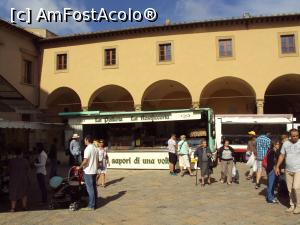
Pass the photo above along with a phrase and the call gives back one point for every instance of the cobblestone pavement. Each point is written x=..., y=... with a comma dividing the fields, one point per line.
x=138, y=197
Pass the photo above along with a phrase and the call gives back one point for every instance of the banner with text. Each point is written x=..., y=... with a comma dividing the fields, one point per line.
x=138, y=118
x=138, y=160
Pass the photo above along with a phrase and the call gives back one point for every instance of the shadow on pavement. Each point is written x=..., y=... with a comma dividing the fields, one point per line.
x=104, y=201
x=282, y=198
x=38, y=207
x=263, y=192
x=114, y=181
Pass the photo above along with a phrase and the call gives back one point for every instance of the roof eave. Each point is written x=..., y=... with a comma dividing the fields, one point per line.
x=19, y=29
x=151, y=29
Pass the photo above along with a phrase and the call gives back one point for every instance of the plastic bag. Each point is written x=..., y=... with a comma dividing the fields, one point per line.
x=248, y=154
x=251, y=160
x=233, y=171
x=254, y=167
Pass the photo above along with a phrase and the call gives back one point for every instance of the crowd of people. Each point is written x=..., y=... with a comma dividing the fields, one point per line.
x=279, y=158
x=94, y=164
x=19, y=172
x=205, y=157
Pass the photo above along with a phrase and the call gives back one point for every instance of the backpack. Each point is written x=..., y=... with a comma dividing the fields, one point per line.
x=265, y=159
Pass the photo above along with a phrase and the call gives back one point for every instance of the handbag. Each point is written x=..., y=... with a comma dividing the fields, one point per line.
x=265, y=160
x=214, y=162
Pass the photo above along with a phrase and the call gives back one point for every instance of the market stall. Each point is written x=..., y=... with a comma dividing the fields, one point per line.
x=138, y=140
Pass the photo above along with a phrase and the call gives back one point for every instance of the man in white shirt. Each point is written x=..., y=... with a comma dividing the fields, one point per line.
x=41, y=172
x=172, y=154
x=290, y=151
x=90, y=167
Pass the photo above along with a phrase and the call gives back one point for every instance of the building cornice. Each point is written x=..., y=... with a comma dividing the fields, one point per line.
x=19, y=29
x=219, y=23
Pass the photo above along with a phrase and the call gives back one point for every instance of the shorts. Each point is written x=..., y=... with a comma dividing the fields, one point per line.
x=259, y=165
x=102, y=171
x=172, y=158
x=184, y=161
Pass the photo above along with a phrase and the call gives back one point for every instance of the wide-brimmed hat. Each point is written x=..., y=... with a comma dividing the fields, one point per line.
x=252, y=132
x=75, y=136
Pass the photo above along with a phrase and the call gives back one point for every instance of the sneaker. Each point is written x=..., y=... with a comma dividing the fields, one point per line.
x=290, y=210
x=297, y=210
x=257, y=186
x=174, y=174
x=274, y=201
x=87, y=209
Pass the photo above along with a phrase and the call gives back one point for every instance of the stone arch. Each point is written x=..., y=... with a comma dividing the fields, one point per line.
x=63, y=99
x=229, y=95
x=166, y=94
x=111, y=98
x=283, y=95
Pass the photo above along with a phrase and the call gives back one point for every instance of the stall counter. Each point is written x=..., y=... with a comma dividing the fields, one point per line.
x=139, y=159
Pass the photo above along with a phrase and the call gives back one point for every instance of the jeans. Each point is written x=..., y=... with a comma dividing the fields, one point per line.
x=272, y=182
x=91, y=187
x=41, y=181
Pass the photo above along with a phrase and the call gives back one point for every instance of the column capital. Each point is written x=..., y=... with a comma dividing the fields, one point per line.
x=195, y=105
x=84, y=108
x=138, y=107
x=260, y=106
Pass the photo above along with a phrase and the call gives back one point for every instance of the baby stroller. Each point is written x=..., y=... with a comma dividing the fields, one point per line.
x=68, y=191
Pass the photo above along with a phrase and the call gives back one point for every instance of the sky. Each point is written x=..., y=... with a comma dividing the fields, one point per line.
x=175, y=10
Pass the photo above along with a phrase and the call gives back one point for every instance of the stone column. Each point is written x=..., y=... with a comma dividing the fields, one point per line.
x=137, y=107
x=260, y=106
x=84, y=108
x=195, y=105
